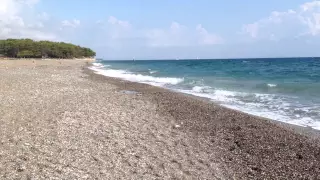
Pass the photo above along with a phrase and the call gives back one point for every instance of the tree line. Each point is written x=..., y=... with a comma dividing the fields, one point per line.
x=27, y=48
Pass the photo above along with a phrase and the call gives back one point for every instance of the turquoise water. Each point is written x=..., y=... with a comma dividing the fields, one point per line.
x=286, y=90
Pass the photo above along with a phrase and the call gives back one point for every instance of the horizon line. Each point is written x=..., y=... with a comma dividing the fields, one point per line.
x=174, y=59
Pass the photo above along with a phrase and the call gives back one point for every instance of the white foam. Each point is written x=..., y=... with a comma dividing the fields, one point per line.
x=156, y=81
x=197, y=89
x=272, y=106
x=216, y=95
x=272, y=85
x=200, y=89
x=316, y=125
x=264, y=105
x=98, y=64
x=152, y=72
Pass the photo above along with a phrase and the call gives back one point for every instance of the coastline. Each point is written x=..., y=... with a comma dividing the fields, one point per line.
x=237, y=135
x=231, y=83
x=61, y=120
x=136, y=86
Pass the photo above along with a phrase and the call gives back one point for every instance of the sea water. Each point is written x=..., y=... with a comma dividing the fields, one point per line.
x=283, y=89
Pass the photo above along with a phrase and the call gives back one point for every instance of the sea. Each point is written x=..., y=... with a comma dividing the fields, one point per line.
x=282, y=89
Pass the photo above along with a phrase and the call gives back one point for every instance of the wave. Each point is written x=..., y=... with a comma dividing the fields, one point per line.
x=269, y=105
x=264, y=105
x=126, y=75
x=272, y=85
x=200, y=89
x=152, y=72
x=98, y=65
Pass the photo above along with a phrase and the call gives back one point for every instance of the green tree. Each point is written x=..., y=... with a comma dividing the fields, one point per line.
x=27, y=48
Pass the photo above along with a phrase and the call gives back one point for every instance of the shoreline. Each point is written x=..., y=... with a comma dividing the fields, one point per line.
x=63, y=121
x=263, y=98
x=308, y=131
x=241, y=134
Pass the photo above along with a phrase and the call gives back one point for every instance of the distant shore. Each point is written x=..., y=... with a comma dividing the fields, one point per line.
x=61, y=120
x=47, y=59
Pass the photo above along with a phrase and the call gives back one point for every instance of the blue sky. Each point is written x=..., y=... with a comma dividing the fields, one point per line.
x=154, y=29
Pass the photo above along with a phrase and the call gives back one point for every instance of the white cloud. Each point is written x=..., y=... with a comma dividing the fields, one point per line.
x=266, y=27
x=43, y=16
x=72, y=24
x=310, y=16
x=310, y=6
x=37, y=25
x=114, y=21
x=8, y=7
x=287, y=24
x=313, y=23
x=121, y=33
x=175, y=35
x=180, y=35
x=118, y=29
x=14, y=25
x=207, y=38
x=29, y=2
x=99, y=22
x=251, y=29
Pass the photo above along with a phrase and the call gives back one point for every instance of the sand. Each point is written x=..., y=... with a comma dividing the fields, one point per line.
x=58, y=120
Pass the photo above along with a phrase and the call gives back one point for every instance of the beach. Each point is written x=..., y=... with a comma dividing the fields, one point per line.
x=60, y=120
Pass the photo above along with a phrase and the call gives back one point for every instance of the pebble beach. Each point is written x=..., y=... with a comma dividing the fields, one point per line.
x=60, y=120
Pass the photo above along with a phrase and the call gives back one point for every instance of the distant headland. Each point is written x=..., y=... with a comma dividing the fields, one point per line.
x=28, y=48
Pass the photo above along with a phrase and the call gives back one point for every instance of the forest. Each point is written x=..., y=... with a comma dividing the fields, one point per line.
x=28, y=48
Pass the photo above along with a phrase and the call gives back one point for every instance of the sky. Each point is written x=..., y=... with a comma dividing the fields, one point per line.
x=170, y=29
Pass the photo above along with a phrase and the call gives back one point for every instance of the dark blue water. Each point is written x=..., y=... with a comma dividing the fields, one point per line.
x=282, y=89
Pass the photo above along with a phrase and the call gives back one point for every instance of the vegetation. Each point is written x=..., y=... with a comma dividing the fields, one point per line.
x=27, y=48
